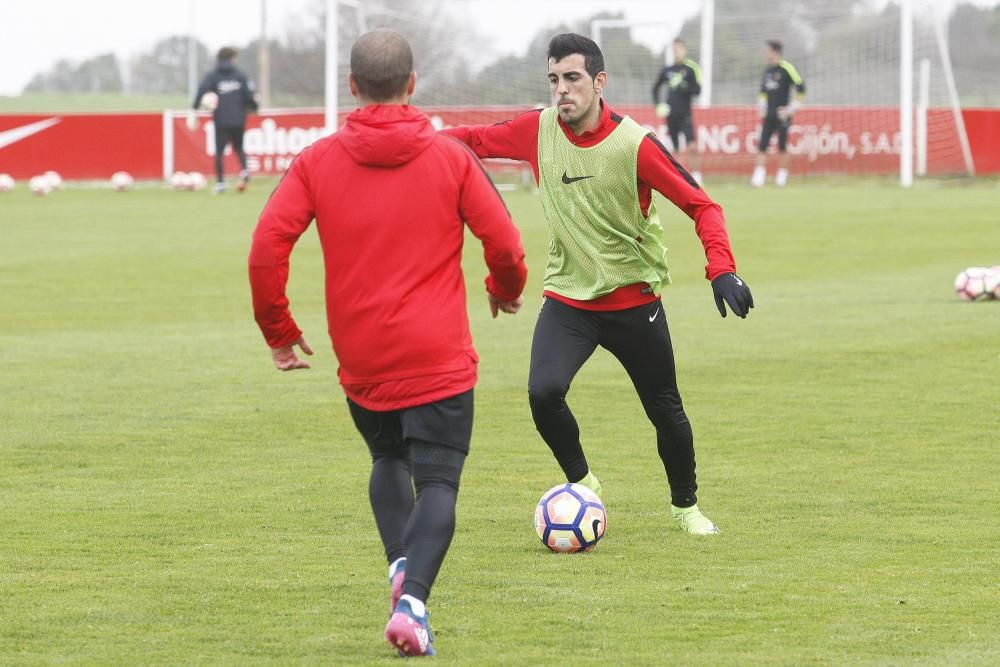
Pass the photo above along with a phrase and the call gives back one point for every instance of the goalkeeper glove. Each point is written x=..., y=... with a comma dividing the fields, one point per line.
x=730, y=288
x=662, y=110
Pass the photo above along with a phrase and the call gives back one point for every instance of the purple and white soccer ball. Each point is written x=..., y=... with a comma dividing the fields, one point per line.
x=977, y=283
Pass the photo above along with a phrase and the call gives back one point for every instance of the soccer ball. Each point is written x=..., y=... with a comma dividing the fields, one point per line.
x=55, y=180
x=992, y=282
x=970, y=285
x=180, y=181
x=40, y=185
x=197, y=180
x=209, y=101
x=570, y=518
x=6, y=182
x=122, y=181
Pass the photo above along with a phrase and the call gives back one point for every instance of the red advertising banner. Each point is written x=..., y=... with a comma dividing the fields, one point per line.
x=82, y=146
x=852, y=140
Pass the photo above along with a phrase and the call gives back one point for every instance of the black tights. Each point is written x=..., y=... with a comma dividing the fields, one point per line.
x=564, y=339
x=418, y=526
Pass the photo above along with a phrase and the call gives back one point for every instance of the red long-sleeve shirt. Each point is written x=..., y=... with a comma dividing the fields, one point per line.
x=517, y=139
x=390, y=196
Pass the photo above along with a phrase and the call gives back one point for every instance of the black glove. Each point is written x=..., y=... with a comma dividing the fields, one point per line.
x=730, y=288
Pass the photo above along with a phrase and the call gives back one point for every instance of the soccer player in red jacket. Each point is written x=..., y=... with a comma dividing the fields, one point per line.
x=596, y=172
x=391, y=197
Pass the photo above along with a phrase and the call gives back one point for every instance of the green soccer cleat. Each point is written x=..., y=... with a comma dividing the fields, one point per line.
x=591, y=483
x=691, y=520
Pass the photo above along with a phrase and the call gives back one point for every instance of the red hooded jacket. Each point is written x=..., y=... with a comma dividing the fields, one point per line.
x=391, y=198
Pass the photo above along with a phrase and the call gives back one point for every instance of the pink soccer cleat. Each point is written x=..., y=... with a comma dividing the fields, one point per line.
x=409, y=633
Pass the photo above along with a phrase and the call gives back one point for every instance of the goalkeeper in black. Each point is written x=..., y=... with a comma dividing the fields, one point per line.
x=777, y=106
x=683, y=82
x=234, y=95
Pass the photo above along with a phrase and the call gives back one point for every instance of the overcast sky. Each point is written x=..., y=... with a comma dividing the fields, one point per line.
x=34, y=34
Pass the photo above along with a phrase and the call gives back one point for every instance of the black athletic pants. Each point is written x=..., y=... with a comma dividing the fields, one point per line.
x=771, y=125
x=423, y=447
x=564, y=339
x=224, y=135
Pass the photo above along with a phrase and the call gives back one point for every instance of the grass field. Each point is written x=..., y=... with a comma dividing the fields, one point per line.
x=168, y=498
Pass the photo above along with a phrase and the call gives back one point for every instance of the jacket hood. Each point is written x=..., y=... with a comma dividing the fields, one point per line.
x=386, y=135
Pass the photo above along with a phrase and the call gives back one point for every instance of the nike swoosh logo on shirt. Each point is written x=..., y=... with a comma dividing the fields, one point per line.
x=573, y=179
x=8, y=137
x=654, y=315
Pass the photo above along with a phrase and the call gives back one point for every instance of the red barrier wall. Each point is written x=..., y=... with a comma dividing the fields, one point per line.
x=822, y=140
x=81, y=146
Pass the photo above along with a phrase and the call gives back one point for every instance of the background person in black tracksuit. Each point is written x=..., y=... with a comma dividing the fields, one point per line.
x=683, y=82
x=776, y=106
x=236, y=96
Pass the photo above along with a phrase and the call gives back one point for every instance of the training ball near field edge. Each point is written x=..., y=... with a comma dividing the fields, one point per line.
x=991, y=282
x=55, y=180
x=180, y=180
x=122, y=181
x=6, y=182
x=970, y=285
x=196, y=180
x=570, y=518
x=40, y=185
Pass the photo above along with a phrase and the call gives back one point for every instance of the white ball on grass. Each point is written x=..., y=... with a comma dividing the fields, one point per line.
x=40, y=185
x=55, y=180
x=180, y=181
x=122, y=181
x=197, y=180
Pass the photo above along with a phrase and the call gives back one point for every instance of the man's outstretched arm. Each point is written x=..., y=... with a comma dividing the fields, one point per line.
x=514, y=139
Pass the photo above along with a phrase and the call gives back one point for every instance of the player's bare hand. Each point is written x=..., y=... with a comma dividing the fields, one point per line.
x=509, y=307
x=285, y=358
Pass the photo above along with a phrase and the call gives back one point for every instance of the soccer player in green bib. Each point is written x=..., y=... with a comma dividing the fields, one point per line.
x=596, y=172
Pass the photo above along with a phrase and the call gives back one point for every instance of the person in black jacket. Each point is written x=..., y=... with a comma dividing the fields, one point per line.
x=232, y=95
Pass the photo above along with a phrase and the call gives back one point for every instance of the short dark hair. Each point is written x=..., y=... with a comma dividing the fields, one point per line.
x=678, y=40
x=774, y=45
x=226, y=53
x=381, y=62
x=568, y=43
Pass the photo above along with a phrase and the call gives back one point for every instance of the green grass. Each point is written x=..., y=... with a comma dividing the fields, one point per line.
x=168, y=498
